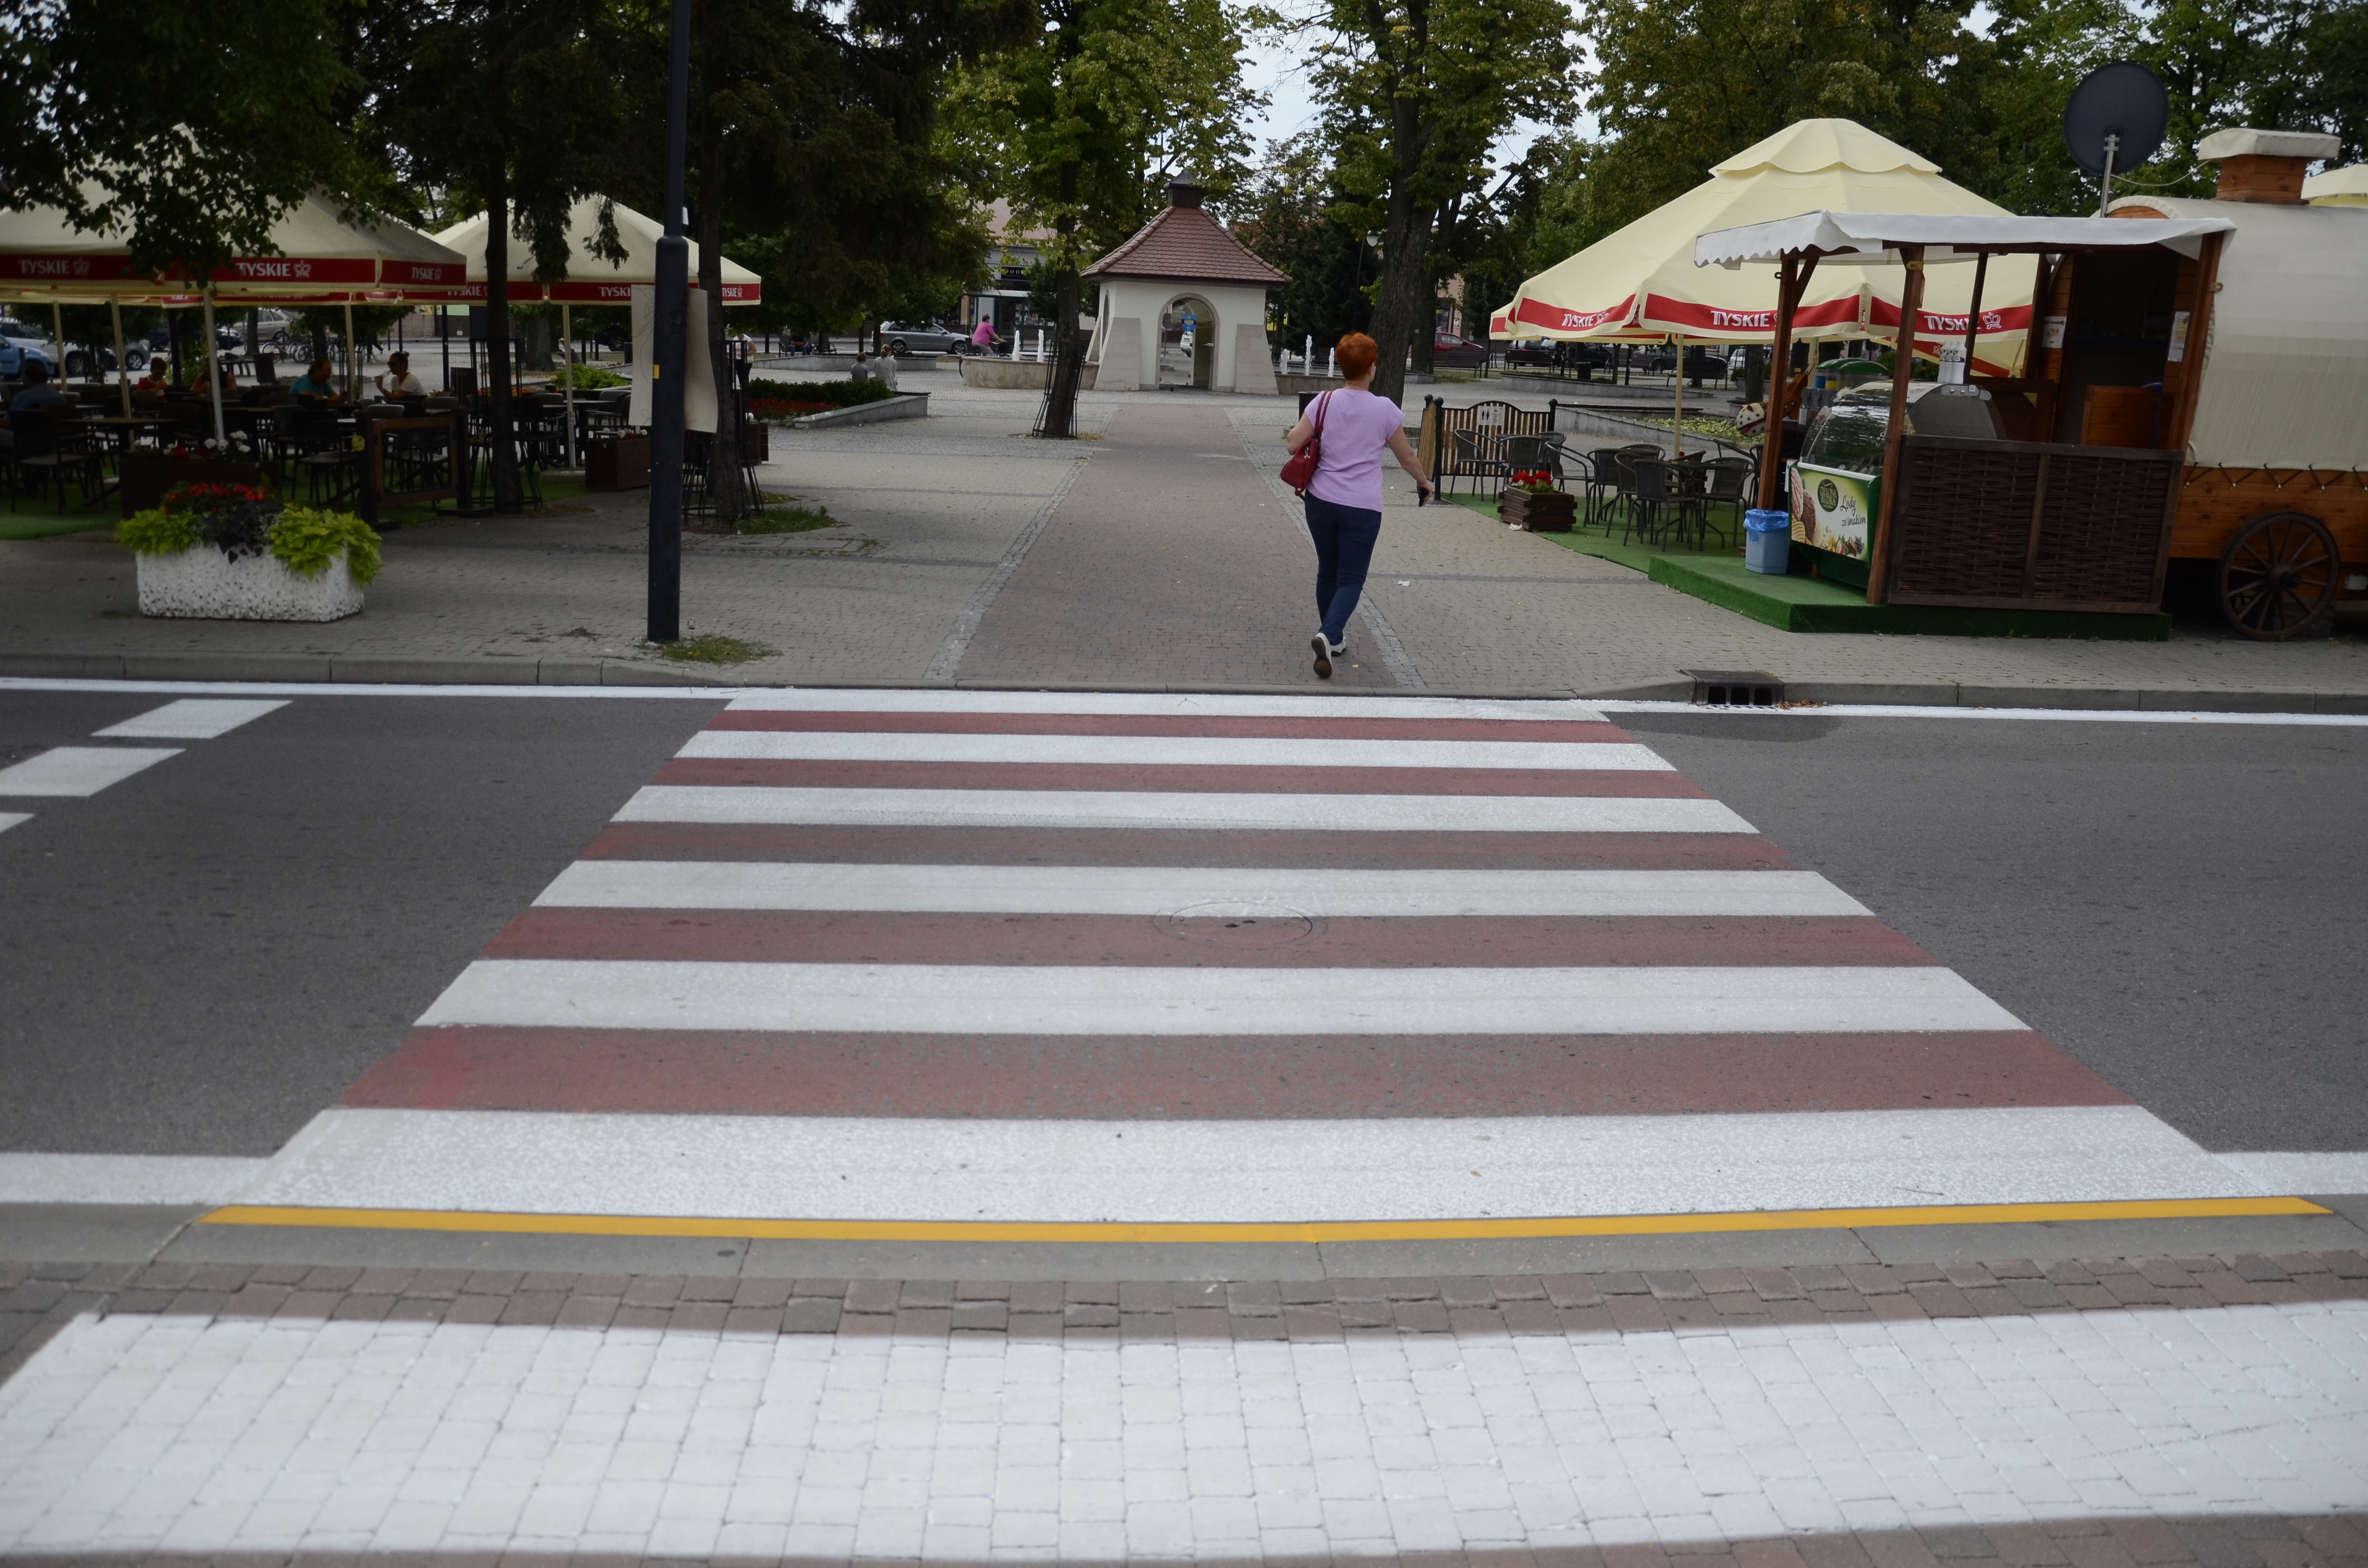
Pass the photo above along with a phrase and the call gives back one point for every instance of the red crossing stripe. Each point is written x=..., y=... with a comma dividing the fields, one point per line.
x=762, y=1073
x=734, y=936
x=1311, y=727
x=1349, y=847
x=1182, y=778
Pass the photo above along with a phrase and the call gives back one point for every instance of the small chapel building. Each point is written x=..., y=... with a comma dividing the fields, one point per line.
x=1182, y=297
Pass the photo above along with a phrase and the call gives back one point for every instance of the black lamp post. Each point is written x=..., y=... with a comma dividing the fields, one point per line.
x=668, y=357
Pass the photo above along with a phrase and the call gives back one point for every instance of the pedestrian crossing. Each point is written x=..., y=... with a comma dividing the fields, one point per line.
x=1035, y=960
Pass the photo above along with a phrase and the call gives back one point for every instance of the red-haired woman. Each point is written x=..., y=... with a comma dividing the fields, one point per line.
x=1344, y=499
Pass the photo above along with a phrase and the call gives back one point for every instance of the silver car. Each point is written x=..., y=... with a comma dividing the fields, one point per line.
x=902, y=339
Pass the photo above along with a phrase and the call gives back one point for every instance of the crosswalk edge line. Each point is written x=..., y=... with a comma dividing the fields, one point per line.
x=1318, y=1232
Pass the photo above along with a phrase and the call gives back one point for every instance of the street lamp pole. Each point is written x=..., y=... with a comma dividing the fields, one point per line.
x=670, y=352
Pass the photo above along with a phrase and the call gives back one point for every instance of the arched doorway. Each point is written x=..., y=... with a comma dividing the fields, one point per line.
x=1188, y=342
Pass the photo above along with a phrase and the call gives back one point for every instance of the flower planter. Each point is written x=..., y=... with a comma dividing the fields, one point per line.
x=146, y=480
x=201, y=582
x=1538, y=511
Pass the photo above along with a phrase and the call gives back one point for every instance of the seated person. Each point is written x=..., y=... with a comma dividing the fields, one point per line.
x=319, y=382
x=159, y=377
x=38, y=396
x=399, y=382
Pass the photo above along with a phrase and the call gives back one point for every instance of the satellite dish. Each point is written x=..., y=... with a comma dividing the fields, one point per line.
x=2115, y=119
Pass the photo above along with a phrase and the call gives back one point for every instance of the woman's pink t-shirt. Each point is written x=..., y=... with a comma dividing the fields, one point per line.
x=1357, y=430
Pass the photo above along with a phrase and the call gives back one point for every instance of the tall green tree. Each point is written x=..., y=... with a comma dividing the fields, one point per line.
x=1083, y=127
x=186, y=129
x=1285, y=214
x=1415, y=96
x=514, y=106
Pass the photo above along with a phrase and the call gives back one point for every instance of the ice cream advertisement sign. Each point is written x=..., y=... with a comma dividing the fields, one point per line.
x=1833, y=509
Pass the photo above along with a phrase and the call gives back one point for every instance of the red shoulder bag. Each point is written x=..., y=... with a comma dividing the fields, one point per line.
x=1298, y=473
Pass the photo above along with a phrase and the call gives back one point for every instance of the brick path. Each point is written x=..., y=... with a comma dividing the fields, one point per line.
x=1171, y=561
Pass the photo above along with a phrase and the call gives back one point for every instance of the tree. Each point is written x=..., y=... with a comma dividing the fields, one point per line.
x=515, y=104
x=1284, y=215
x=816, y=156
x=1416, y=95
x=186, y=128
x=1083, y=127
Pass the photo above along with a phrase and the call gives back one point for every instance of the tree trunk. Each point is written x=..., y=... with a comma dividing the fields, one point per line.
x=1068, y=348
x=1397, y=301
x=320, y=341
x=508, y=494
x=1426, y=340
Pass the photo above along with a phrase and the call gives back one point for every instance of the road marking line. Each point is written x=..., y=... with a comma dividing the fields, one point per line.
x=122, y=1178
x=1230, y=892
x=1315, y=755
x=2059, y=715
x=2302, y=1172
x=79, y=770
x=1113, y=999
x=1314, y=1232
x=753, y=803
x=10, y=819
x=973, y=699
x=191, y=719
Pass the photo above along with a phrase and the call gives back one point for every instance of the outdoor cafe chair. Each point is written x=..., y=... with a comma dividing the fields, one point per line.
x=1528, y=454
x=1725, y=483
x=1658, y=506
x=48, y=447
x=324, y=455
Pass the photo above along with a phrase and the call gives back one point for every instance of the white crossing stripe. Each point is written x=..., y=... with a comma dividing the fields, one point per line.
x=1166, y=751
x=1279, y=1171
x=1119, y=1000
x=1146, y=809
x=122, y=1178
x=1227, y=891
x=10, y=819
x=191, y=719
x=79, y=770
x=1178, y=705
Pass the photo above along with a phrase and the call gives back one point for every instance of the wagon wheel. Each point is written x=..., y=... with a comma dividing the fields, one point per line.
x=2279, y=575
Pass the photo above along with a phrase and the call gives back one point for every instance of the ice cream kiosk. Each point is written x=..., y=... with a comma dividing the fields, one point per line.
x=2195, y=386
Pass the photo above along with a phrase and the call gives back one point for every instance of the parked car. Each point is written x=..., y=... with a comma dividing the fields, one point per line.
x=19, y=342
x=82, y=356
x=903, y=338
x=1455, y=353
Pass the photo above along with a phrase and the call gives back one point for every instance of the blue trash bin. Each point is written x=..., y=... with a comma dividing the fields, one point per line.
x=1767, y=541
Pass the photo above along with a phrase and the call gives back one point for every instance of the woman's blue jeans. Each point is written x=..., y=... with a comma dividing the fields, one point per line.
x=1344, y=539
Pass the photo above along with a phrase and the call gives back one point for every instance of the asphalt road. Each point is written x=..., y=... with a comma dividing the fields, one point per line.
x=195, y=960
x=2184, y=907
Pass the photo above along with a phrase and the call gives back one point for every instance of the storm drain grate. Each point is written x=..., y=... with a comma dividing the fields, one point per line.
x=1736, y=688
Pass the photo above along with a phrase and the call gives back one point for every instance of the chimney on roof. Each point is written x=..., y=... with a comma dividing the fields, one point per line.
x=2264, y=165
x=1186, y=191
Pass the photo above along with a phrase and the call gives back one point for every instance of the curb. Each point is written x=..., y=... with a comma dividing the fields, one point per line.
x=376, y=670
x=903, y=405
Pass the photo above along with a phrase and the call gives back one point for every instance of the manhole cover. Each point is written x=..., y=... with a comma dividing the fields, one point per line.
x=1231, y=924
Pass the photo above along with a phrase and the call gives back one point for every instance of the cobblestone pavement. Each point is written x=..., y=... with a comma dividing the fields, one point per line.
x=1762, y=1418
x=1171, y=560
x=909, y=588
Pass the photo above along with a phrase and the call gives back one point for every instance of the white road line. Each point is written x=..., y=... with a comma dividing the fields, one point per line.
x=191, y=719
x=79, y=770
x=1129, y=809
x=2330, y=1172
x=2053, y=715
x=10, y=819
x=147, y=1435
x=1267, y=1172
x=1166, y=751
x=122, y=1178
x=1113, y=999
x=1161, y=890
x=1184, y=705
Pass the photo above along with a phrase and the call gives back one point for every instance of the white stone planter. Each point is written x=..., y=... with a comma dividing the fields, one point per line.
x=201, y=582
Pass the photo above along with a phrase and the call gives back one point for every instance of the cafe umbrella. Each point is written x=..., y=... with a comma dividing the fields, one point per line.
x=1640, y=284
x=592, y=278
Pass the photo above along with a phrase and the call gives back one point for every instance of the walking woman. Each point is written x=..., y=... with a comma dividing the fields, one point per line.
x=1344, y=498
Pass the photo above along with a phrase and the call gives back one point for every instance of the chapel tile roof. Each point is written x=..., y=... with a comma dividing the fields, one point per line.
x=1186, y=244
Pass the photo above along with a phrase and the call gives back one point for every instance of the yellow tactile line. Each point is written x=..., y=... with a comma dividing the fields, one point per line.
x=1304, y=1232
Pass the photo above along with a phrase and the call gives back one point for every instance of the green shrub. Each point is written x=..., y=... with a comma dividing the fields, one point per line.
x=157, y=531
x=234, y=522
x=837, y=394
x=590, y=378
x=306, y=541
